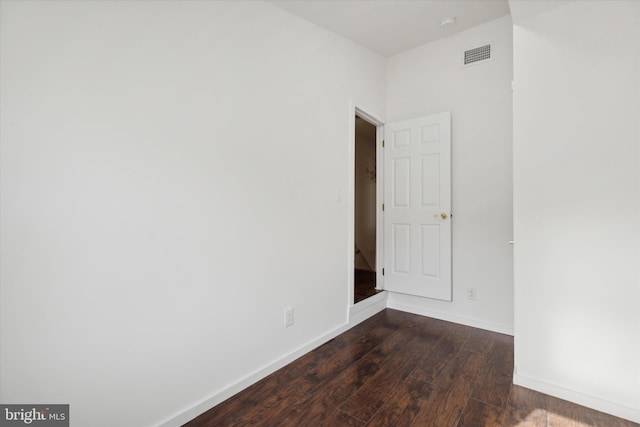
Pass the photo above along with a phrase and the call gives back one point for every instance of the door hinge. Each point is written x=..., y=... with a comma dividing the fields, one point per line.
x=383, y=143
x=383, y=207
x=383, y=271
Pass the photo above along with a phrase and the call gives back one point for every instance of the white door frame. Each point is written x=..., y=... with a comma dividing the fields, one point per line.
x=356, y=110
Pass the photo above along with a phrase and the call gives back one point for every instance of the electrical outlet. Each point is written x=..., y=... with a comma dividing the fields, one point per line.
x=288, y=317
x=472, y=294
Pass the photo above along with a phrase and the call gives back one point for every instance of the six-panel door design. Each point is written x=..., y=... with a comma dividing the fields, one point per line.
x=417, y=216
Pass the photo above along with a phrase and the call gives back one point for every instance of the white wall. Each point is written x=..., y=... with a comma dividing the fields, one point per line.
x=430, y=79
x=170, y=179
x=577, y=204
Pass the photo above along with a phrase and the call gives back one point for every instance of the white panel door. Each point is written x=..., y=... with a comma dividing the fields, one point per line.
x=417, y=213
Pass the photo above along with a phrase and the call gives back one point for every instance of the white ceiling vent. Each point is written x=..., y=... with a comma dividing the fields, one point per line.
x=477, y=55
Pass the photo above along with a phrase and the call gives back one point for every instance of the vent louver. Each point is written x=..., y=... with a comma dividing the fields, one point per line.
x=477, y=54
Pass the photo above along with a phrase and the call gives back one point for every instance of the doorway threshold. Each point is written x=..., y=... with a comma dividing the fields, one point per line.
x=358, y=298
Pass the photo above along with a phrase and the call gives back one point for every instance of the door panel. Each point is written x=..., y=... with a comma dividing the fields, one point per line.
x=430, y=179
x=417, y=222
x=401, y=248
x=401, y=182
x=430, y=250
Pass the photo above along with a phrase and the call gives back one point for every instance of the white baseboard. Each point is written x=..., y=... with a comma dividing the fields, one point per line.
x=577, y=397
x=495, y=327
x=369, y=307
x=219, y=397
x=365, y=309
x=357, y=314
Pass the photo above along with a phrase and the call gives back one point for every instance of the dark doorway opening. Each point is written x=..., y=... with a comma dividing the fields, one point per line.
x=365, y=210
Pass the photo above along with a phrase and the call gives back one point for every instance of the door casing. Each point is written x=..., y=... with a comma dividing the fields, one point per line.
x=356, y=110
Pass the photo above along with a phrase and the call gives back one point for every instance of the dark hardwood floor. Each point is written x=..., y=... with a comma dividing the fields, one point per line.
x=399, y=369
x=364, y=285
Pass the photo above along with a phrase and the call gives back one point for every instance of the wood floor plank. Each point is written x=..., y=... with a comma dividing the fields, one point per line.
x=392, y=344
x=340, y=419
x=316, y=377
x=335, y=391
x=401, y=320
x=424, y=335
x=403, y=406
x=444, y=352
x=445, y=405
x=322, y=404
x=376, y=372
x=447, y=402
x=390, y=319
x=480, y=414
x=259, y=392
x=302, y=365
x=465, y=363
x=431, y=330
x=395, y=342
x=494, y=388
x=372, y=395
x=266, y=412
x=526, y=408
x=479, y=341
x=357, y=332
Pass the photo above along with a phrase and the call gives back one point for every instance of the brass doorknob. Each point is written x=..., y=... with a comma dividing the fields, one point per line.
x=444, y=215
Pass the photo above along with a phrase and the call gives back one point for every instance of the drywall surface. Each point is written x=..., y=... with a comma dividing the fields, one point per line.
x=172, y=177
x=577, y=204
x=431, y=79
x=524, y=9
